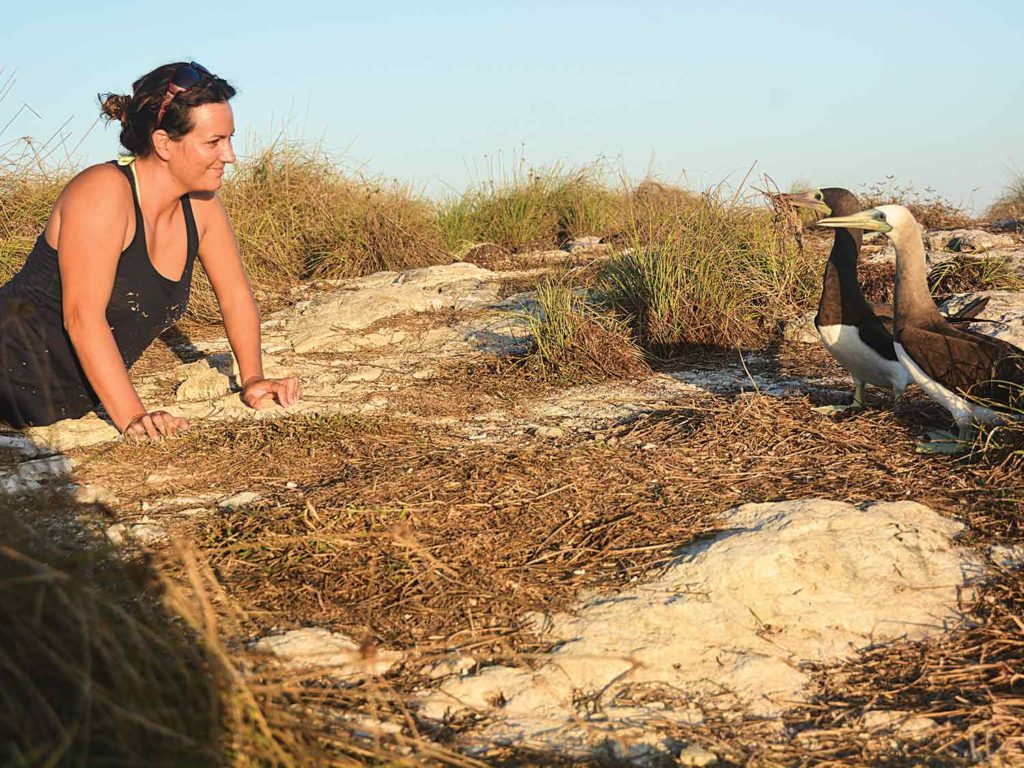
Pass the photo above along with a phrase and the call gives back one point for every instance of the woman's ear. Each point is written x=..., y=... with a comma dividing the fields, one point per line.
x=162, y=144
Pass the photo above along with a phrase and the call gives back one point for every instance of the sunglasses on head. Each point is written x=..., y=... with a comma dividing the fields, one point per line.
x=184, y=77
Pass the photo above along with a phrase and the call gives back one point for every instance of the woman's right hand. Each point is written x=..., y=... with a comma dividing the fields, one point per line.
x=155, y=425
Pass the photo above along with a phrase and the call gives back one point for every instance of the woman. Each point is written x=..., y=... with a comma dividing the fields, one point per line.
x=112, y=268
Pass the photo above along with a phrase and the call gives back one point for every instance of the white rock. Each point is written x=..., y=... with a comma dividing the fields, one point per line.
x=240, y=499
x=385, y=294
x=94, y=494
x=801, y=329
x=583, y=244
x=1005, y=310
x=453, y=665
x=158, y=478
x=116, y=534
x=969, y=240
x=694, y=754
x=335, y=653
x=733, y=619
x=200, y=381
x=73, y=433
x=365, y=373
x=550, y=433
x=26, y=476
x=21, y=444
x=375, y=403
x=1007, y=555
x=897, y=720
x=424, y=373
x=146, y=533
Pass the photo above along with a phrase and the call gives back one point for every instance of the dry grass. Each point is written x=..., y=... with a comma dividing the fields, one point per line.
x=297, y=215
x=92, y=670
x=418, y=539
x=575, y=341
x=969, y=684
x=932, y=210
x=530, y=208
x=28, y=189
x=970, y=274
x=712, y=270
x=1010, y=203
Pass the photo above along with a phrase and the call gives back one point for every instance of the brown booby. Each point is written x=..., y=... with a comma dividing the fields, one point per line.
x=977, y=378
x=856, y=332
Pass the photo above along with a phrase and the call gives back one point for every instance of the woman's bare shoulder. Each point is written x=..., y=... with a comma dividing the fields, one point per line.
x=102, y=179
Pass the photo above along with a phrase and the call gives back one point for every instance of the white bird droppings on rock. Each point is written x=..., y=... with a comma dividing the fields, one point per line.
x=784, y=584
x=335, y=653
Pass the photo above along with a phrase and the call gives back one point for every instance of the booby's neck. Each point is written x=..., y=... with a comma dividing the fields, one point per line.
x=842, y=301
x=913, y=304
x=842, y=261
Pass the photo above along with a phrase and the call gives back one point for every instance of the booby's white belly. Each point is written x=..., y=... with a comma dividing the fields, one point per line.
x=844, y=344
x=963, y=412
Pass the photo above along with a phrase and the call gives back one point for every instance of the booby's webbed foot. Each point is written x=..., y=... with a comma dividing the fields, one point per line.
x=942, y=442
x=832, y=410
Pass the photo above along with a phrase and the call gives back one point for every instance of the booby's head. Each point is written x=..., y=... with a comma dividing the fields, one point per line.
x=831, y=201
x=884, y=218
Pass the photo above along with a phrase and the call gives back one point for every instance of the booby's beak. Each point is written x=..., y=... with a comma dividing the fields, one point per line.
x=872, y=220
x=812, y=199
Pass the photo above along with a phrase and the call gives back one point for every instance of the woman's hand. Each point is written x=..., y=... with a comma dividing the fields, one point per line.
x=284, y=391
x=155, y=426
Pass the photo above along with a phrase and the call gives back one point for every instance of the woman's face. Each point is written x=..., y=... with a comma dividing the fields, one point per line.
x=198, y=158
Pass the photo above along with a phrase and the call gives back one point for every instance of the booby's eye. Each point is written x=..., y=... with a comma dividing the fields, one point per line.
x=819, y=196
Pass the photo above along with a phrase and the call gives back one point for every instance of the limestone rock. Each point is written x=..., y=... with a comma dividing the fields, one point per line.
x=335, y=653
x=588, y=243
x=365, y=373
x=450, y=667
x=784, y=584
x=696, y=755
x=969, y=240
x=801, y=329
x=1005, y=313
x=94, y=494
x=26, y=476
x=201, y=381
x=897, y=720
x=238, y=500
x=73, y=433
x=319, y=323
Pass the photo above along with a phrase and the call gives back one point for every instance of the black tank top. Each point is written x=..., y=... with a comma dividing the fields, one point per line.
x=41, y=380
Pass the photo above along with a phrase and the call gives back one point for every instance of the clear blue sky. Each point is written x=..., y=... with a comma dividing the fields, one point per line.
x=838, y=94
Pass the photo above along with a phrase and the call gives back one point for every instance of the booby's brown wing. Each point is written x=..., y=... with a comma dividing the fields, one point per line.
x=983, y=369
x=884, y=312
x=961, y=318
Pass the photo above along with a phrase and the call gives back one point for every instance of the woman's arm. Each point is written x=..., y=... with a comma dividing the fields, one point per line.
x=218, y=252
x=94, y=215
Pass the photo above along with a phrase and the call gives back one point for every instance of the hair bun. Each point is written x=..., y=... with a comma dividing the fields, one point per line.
x=114, y=106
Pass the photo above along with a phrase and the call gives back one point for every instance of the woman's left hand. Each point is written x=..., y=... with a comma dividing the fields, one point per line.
x=284, y=391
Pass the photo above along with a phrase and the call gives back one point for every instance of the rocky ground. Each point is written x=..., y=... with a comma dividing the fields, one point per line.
x=615, y=570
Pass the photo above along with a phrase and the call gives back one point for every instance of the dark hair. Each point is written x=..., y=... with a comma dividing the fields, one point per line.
x=137, y=113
